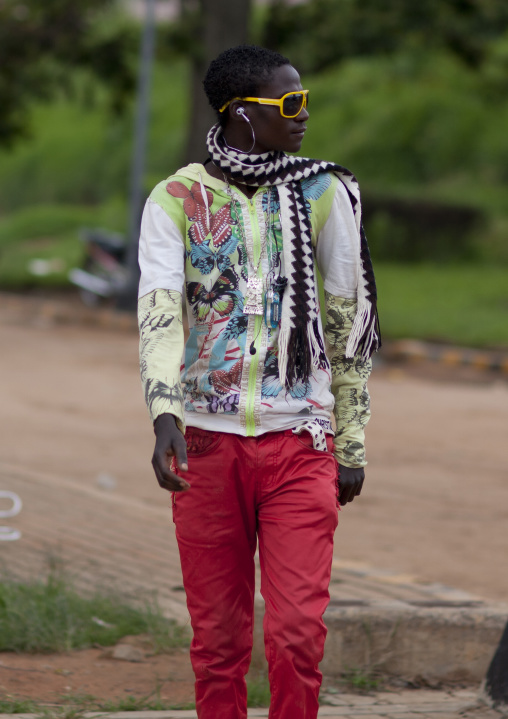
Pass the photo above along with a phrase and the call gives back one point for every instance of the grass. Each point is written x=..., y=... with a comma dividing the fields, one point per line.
x=75, y=706
x=50, y=616
x=464, y=304
x=360, y=681
x=51, y=233
x=17, y=706
x=258, y=691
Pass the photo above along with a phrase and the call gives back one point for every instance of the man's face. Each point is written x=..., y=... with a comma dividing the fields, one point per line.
x=272, y=131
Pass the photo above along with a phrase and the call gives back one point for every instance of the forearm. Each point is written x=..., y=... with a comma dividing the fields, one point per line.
x=160, y=349
x=349, y=383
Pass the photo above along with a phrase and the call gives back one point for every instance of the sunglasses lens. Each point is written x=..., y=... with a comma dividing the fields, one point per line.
x=293, y=104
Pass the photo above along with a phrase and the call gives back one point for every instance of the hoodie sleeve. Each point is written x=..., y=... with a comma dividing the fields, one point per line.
x=161, y=260
x=161, y=344
x=349, y=383
x=338, y=251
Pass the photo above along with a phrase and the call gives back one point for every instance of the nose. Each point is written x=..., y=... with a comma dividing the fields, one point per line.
x=303, y=115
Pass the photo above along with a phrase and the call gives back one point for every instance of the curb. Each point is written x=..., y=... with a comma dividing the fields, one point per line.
x=448, y=355
x=432, y=642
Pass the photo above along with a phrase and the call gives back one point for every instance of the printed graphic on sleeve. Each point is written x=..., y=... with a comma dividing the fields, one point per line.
x=159, y=313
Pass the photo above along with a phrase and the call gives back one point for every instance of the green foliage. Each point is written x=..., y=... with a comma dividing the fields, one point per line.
x=81, y=154
x=44, y=41
x=76, y=706
x=318, y=34
x=258, y=691
x=136, y=704
x=50, y=616
x=50, y=233
x=411, y=230
x=406, y=122
x=361, y=680
x=17, y=706
x=462, y=304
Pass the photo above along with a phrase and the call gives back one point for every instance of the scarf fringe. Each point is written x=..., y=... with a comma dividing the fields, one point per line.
x=300, y=353
x=315, y=343
x=284, y=334
x=364, y=334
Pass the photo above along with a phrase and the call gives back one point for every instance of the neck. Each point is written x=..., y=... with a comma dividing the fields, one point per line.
x=240, y=138
x=247, y=190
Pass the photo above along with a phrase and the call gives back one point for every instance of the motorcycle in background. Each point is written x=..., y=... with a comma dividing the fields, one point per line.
x=104, y=273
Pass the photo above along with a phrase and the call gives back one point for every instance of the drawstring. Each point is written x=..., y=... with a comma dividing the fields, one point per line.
x=205, y=198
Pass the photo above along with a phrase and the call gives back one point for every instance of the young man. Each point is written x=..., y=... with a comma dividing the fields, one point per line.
x=243, y=434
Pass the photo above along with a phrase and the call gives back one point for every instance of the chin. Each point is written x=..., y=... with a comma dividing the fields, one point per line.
x=292, y=145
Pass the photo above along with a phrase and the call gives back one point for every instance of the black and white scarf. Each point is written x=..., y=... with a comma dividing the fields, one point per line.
x=300, y=343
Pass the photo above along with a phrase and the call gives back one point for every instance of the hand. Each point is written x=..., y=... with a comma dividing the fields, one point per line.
x=169, y=443
x=350, y=483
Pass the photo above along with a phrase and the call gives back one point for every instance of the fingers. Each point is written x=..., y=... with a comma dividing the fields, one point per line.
x=166, y=478
x=170, y=443
x=346, y=493
x=350, y=483
x=180, y=446
x=162, y=465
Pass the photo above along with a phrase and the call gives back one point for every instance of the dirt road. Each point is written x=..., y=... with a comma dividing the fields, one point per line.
x=435, y=503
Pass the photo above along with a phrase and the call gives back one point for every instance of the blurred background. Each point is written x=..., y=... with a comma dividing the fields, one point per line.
x=412, y=97
x=98, y=102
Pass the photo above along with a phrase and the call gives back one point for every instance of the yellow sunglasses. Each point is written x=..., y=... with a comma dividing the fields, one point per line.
x=290, y=104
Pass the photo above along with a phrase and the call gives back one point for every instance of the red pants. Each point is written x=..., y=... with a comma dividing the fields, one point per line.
x=276, y=488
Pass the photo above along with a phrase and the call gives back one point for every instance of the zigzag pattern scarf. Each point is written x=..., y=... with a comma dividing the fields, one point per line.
x=301, y=347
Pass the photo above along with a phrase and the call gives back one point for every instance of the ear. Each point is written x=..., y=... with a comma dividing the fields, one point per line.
x=238, y=111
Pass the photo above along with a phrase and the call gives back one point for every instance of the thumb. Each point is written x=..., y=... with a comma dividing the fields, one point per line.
x=181, y=454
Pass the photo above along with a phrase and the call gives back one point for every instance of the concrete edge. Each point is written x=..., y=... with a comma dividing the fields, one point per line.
x=442, y=642
x=447, y=355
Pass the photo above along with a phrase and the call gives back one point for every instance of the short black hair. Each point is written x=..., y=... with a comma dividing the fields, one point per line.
x=239, y=72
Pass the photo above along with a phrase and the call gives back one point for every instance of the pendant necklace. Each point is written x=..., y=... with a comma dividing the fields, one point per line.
x=253, y=304
x=275, y=285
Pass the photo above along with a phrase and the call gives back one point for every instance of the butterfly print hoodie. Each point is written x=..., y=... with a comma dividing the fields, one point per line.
x=218, y=369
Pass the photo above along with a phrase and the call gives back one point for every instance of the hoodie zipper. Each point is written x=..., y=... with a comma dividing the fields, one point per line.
x=250, y=404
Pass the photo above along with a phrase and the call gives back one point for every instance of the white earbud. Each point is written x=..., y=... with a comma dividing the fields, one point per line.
x=241, y=113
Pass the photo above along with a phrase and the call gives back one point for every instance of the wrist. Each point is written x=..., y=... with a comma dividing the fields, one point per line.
x=164, y=422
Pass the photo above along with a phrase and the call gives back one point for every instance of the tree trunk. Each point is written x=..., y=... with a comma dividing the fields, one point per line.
x=224, y=24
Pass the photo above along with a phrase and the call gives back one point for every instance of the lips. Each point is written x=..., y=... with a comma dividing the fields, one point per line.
x=301, y=131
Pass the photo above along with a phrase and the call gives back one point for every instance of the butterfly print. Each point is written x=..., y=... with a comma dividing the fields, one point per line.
x=274, y=203
x=313, y=187
x=155, y=389
x=271, y=385
x=218, y=224
x=192, y=199
x=205, y=259
x=223, y=380
x=237, y=324
x=222, y=298
x=229, y=404
x=159, y=322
